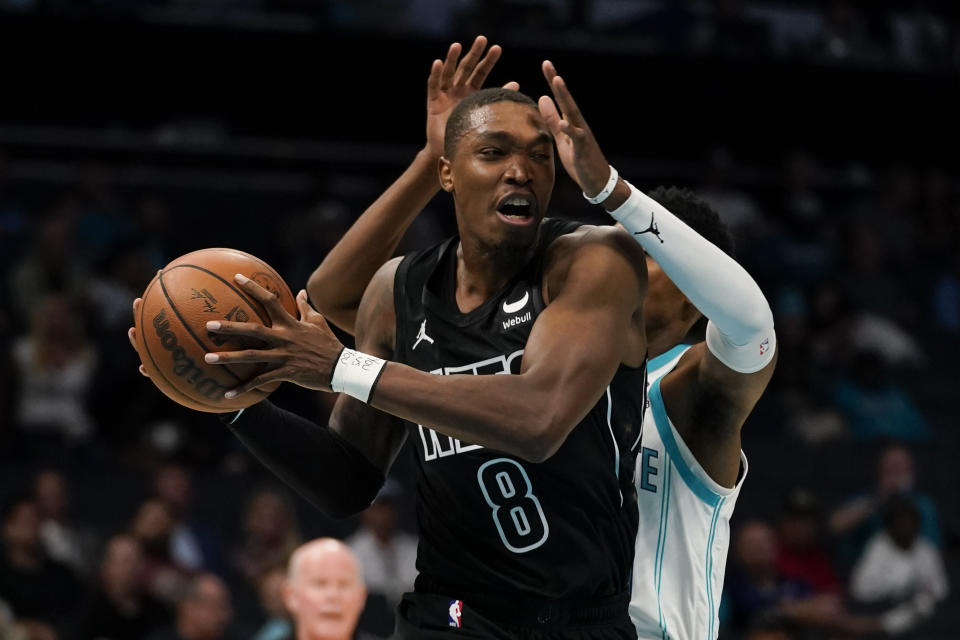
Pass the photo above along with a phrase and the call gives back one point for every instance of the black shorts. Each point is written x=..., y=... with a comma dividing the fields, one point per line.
x=425, y=616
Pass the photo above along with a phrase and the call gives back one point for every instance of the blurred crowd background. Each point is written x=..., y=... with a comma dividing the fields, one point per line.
x=133, y=131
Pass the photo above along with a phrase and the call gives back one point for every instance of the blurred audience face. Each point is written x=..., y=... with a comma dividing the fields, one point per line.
x=325, y=591
x=205, y=611
x=56, y=322
x=269, y=518
x=895, y=471
x=381, y=519
x=757, y=549
x=172, y=485
x=121, y=566
x=270, y=588
x=21, y=528
x=798, y=531
x=152, y=525
x=903, y=523
x=51, y=495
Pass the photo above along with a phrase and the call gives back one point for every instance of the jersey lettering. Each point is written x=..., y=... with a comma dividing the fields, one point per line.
x=647, y=469
x=436, y=445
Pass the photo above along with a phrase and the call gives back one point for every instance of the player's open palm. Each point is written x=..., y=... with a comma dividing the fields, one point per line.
x=453, y=79
x=302, y=351
x=578, y=149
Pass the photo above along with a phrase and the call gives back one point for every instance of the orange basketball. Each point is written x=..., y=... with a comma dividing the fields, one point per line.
x=172, y=337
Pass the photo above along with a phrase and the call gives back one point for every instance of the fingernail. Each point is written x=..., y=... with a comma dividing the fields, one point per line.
x=213, y=325
x=211, y=357
x=230, y=394
x=242, y=279
x=302, y=294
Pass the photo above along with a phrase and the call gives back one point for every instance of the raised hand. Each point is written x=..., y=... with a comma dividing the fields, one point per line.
x=578, y=149
x=453, y=79
x=303, y=351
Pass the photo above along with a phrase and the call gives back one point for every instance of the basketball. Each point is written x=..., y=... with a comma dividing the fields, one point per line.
x=171, y=326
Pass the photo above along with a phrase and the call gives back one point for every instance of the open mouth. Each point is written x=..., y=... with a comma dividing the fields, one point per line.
x=517, y=209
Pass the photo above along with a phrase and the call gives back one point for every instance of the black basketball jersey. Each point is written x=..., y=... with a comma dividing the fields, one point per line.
x=490, y=522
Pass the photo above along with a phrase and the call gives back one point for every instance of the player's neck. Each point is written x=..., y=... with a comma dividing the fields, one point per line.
x=483, y=271
x=662, y=338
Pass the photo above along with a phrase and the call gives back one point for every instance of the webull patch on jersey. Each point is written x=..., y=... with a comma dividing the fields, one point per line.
x=517, y=320
x=455, y=612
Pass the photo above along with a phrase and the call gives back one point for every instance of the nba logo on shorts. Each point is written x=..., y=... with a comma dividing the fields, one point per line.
x=456, y=607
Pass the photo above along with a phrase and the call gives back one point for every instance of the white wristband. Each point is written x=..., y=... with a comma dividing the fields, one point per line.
x=356, y=373
x=607, y=190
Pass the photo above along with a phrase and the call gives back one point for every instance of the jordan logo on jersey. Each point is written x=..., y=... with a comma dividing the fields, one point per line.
x=422, y=335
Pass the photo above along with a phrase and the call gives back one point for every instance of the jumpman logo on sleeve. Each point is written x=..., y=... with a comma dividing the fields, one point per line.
x=653, y=228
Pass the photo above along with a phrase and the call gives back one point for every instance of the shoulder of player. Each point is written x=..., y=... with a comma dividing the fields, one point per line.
x=595, y=248
x=376, y=317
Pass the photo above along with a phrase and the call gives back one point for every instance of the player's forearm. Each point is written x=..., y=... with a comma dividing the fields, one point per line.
x=714, y=282
x=510, y=413
x=337, y=285
x=312, y=459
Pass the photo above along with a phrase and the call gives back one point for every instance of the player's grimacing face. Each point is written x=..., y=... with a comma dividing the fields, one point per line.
x=502, y=173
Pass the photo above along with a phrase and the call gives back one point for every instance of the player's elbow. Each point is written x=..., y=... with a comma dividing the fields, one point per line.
x=321, y=296
x=340, y=505
x=758, y=319
x=547, y=438
x=318, y=291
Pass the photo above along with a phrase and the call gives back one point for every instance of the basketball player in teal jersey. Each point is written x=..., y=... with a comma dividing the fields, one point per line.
x=704, y=381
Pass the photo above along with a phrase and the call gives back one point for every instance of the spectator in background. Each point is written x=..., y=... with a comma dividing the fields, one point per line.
x=49, y=266
x=55, y=365
x=325, y=591
x=874, y=406
x=152, y=527
x=899, y=569
x=801, y=556
x=103, y=222
x=270, y=533
x=759, y=596
x=859, y=518
x=118, y=608
x=389, y=558
x=276, y=625
x=192, y=545
x=40, y=591
x=204, y=612
x=63, y=540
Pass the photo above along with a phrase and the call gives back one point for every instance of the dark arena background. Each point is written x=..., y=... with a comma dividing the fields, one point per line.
x=132, y=131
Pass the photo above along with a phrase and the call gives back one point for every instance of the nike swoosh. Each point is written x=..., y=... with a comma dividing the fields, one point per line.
x=513, y=307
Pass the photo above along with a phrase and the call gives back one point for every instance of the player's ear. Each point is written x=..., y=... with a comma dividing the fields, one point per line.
x=445, y=168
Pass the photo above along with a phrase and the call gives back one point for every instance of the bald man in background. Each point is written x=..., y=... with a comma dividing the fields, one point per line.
x=325, y=592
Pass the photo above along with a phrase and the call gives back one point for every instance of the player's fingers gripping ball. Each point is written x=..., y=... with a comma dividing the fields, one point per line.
x=171, y=335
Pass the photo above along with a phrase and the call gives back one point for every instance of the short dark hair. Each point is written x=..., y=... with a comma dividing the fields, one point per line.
x=457, y=122
x=697, y=214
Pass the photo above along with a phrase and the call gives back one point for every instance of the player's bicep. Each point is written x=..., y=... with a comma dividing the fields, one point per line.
x=377, y=434
x=591, y=327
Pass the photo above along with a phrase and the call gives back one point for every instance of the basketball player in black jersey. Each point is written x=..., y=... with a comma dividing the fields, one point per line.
x=526, y=507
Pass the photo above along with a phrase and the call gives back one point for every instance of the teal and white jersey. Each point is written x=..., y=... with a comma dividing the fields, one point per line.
x=684, y=534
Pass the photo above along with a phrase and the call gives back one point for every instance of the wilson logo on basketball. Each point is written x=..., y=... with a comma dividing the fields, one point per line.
x=184, y=366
